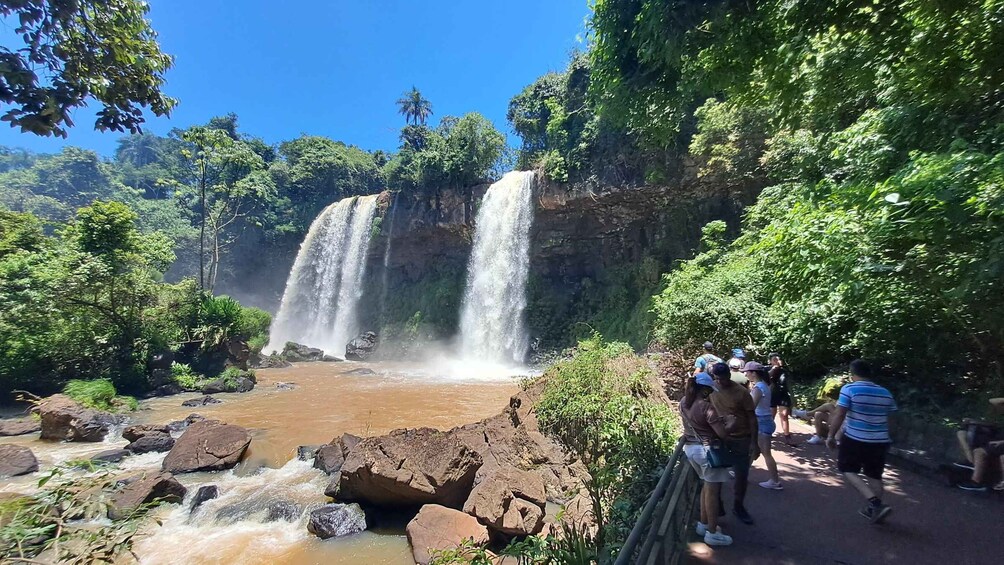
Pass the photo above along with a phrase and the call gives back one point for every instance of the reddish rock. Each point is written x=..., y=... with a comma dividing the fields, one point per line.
x=440, y=528
x=209, y=445
x=143, y=489
x=64, y=419
x=154, y=442
x=509, y=501
x=408, y=468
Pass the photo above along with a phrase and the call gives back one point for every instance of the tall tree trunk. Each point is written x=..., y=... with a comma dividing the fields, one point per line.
x=202, y=230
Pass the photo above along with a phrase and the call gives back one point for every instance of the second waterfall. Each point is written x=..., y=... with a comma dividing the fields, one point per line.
x=492, y=325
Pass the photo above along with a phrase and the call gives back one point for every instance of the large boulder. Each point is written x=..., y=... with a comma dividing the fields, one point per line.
x=440, y=528
x=133, y=433
x=509, y=501
x=243, y=383
x=208, y=445
x=141, y=489
x=203, y=495
x=16, y=460
x=151, y=443
x=268, y=362
x=331, y=456
x=64, y=419
x=409, y=468
x=362, y=347
x=19, y=427
x=335, y=520
x=300, y=353
x=200, y=401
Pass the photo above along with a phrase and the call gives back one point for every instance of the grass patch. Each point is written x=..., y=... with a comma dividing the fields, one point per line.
x=99, y=394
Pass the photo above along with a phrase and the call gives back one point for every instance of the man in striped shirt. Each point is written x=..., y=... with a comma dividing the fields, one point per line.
x=865, y=406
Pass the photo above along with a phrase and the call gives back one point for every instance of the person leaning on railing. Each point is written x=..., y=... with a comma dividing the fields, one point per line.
x=703, y=427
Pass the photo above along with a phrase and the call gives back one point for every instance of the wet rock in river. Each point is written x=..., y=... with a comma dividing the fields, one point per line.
x=408, y=468
x=335, y=520
x=204, y=494
x=64, y=419
x=181, y=425
x=133, y=433
x=239, y=384
x=285, y=386
x=360, y=371
x=306, y=452
x=19, y=427
x=16, y=460
x=362, y=347
x=298, y=353
x=209, y=445
x=151, y=443
x=111, y=456
x=201, y=401
x=142, y=489
x=330, y=457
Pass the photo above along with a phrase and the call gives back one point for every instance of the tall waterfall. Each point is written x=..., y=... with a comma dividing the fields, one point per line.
x=492, y=327
x=319, y=304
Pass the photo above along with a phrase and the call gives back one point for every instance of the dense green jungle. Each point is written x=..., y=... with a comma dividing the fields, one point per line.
x=819, y=178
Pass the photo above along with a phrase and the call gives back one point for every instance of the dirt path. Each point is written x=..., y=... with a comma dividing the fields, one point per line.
x=815, y=518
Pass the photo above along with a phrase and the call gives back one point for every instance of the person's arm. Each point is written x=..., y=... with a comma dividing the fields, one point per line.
x=755, y=429
x=837, y=420
x=716, y=422
x=757, y=394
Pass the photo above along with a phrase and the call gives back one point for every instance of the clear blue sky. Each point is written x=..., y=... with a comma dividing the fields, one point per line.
x=335, y=67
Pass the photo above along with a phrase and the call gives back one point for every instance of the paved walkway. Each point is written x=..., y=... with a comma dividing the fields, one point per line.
x=815, y=520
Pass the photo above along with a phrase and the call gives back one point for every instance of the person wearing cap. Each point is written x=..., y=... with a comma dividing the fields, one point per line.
x=735, y=405
x=760, y=392
x=736, y=364
x=702, y=426
x=703, y=363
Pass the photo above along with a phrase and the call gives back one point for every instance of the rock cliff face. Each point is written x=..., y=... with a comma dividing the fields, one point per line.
x=596, y=257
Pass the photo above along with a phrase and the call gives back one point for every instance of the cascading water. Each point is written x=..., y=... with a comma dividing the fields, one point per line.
x=319, y=304
x=492, y=328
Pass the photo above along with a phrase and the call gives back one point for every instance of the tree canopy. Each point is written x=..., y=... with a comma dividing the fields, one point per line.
x=77, y=50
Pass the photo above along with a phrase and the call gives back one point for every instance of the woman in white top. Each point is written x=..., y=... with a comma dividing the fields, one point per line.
x=760, y=390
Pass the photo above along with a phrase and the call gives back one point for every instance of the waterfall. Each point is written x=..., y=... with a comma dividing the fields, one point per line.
x=492, y=328
x=318, y=307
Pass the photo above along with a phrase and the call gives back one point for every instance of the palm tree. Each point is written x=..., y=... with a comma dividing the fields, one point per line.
x=414, y=107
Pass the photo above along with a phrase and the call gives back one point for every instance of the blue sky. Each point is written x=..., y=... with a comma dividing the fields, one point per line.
x=335, y=68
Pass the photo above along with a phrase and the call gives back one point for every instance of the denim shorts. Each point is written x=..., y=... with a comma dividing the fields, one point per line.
x=766, y=425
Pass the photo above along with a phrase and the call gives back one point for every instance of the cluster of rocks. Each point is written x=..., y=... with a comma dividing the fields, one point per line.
x=485, y=481
x=361, y=348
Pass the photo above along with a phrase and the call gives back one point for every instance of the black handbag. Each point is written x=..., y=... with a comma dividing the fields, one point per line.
x=719, y=455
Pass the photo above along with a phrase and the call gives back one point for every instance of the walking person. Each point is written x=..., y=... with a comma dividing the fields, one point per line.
x=780, y=395
x=761, y=393
x=734, y=403
x=703, y=427
x=865, y=407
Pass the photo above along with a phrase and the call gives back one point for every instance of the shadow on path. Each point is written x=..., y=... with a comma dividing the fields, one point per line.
x=815, y=518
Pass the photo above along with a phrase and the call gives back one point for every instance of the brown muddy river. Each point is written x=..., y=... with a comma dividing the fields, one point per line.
x=325, y=403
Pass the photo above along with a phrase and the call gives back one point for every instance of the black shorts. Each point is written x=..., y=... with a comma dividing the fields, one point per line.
x=857, y=456
x=783, y=399
x=995, y=448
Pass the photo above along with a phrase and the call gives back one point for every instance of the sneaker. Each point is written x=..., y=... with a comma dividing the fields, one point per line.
x=999, y=486
x=970, y=485
x=964, y=465
x=790, y=441
x=702, y=529
x=717, y=538
x=800, y=414
x=772, y=485
x=743, y=515
x=876, y=514
x=815, y=440
x=732, y=474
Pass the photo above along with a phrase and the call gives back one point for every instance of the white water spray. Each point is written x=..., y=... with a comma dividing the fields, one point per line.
x=319, y=304
x=492, y=328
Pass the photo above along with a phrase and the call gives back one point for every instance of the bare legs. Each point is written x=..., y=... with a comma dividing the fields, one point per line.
x=868, y=487
x=967, y=450
x=784, y=411
x=710, y=493
x=763, y=441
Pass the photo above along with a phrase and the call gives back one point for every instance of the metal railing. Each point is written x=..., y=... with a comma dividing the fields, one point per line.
x=660, y=534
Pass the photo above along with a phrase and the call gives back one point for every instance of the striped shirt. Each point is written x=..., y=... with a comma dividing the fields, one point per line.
x=868, y=406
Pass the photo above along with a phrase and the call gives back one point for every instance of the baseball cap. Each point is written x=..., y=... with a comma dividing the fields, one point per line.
x=753, y=366
x=705, y=379
x=708, y=345
x=738, y=353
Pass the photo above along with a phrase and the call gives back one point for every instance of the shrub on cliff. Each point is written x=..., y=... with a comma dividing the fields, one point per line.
x=603, y=405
